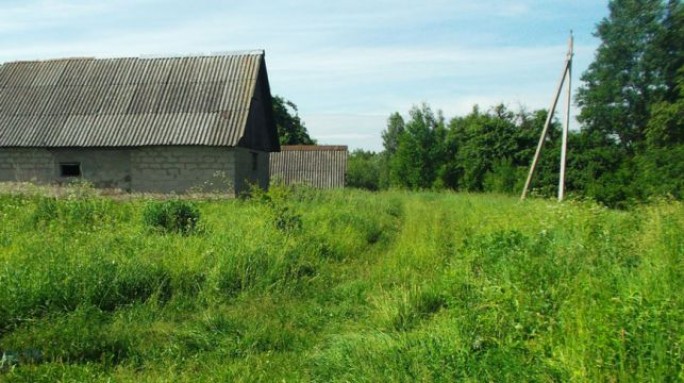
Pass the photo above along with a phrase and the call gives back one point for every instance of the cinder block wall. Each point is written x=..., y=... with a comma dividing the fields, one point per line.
x=163, y=169
x=251, y=169
x=105, y=168
x=179, y=169
x=26, y=165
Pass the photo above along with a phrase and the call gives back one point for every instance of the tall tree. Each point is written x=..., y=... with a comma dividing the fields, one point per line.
x=291, y=129
x=670, y=44
x=626, y=76
x=390, y=137
x=482, y=140
x=666, y=126
x=418, y=154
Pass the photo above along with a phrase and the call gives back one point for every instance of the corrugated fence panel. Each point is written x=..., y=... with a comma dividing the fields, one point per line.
x=322, y=167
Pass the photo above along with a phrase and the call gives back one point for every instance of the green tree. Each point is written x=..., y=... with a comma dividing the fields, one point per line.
x=630, y=146
x=660, y=169
x=291, y=128
x=363, y=170
x=419, y=151
x=627, y=75
x=390, y=140
x=489, y=143
x=390, y=137
x=670, y=43
x=666, y=126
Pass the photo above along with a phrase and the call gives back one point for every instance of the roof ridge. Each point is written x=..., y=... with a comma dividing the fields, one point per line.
x=253, y=52
x=49, y=60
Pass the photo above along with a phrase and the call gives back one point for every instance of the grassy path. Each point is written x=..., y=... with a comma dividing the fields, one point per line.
x=342, y=286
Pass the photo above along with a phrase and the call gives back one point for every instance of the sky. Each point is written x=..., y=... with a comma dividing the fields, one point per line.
x=346, y=64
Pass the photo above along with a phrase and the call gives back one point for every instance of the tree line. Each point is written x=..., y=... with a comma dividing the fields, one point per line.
x=630, y=146
x=482, y=151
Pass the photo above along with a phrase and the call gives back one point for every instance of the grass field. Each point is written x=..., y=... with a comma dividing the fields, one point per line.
x=341, y=286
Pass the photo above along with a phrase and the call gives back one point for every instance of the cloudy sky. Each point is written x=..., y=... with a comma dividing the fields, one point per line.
x=347, y=64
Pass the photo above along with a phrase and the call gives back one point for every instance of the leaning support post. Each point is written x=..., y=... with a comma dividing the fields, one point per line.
x=547, y=124
x=544, y=133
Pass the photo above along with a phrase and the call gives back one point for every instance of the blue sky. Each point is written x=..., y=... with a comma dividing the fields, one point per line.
x=347, y=64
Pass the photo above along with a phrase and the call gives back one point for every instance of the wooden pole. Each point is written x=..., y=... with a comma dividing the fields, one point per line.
x=566, y=126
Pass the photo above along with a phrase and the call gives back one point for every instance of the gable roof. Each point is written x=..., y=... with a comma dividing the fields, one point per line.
x=125, y=102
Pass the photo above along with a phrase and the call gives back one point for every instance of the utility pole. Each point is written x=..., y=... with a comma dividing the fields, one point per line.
x=566, y=125
x=567, y=71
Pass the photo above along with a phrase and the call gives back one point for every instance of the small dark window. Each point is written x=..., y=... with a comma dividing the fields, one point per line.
x=255, y=161
x=70, y=169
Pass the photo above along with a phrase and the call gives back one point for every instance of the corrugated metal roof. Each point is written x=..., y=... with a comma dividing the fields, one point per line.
x=320, y=166
x=314, y=148
x=87, y=102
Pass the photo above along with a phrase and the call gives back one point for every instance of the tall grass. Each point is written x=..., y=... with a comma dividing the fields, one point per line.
x=301, y=285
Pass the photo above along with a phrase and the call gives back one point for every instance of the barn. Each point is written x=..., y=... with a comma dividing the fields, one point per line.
x=161, y=125
x=319, y=166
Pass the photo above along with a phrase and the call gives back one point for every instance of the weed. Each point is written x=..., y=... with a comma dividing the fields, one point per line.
x=279, y=200
x=173, y=216
x=307, y=285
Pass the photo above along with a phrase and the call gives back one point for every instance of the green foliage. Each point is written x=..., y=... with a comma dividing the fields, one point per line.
x=282, y=212
x=625, y=78
x=363, y=170
x=664, y=128
x=631, y=106
x=291, y=128
x=632, y=116
x=479, y=152
x=396, y=126
x=658, y=172
x=418, y=153
x=504, y=177
x=173, y=216
x=74, y=213
x=387, y=286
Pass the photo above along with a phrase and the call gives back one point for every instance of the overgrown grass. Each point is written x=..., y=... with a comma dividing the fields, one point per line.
x=301, y=285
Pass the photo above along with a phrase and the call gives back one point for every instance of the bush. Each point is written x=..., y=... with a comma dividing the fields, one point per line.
x=280, y=202
x=173, y=216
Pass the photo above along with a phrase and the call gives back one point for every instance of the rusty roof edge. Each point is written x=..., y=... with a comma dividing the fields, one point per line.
x=313, y=148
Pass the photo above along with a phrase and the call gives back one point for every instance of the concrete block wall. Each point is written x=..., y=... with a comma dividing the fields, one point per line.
x=251, y=169
x=179, y=169
x=26, y=165
x=105, y=168
x=163, y=169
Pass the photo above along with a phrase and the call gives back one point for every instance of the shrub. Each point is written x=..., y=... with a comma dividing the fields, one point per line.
x=280, y=202
x=173, y=216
